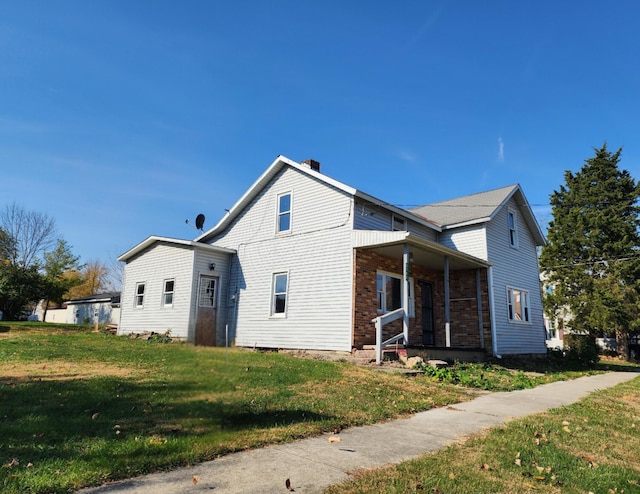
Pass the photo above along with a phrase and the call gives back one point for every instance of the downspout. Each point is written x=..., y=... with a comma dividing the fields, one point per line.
x=479, y=304
x=494, y=338
x=405, y=294
x=447, y=304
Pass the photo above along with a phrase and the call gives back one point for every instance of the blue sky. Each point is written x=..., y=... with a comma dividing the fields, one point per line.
x=121, y=119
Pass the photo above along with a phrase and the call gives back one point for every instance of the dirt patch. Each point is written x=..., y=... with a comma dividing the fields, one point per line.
x=11, y=373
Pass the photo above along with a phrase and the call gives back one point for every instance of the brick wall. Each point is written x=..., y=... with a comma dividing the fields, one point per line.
x=463, y=307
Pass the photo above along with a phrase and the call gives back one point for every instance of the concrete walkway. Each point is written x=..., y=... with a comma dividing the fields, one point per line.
x=315, y=463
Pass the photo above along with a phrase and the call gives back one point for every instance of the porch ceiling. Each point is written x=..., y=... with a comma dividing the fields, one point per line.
x=424, y=252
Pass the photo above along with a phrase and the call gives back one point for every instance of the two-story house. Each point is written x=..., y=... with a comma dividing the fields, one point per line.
x=303, y=261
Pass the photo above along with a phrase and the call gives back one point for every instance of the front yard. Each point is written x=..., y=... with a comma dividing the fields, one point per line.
x=81, y=408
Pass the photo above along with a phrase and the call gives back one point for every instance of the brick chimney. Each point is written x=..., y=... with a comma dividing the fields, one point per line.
x=313, y=164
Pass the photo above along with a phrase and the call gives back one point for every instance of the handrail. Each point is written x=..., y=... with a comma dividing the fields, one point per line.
x=380, y=321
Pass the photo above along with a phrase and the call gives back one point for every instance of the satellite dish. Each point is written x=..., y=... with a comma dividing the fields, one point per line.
x=200, y=221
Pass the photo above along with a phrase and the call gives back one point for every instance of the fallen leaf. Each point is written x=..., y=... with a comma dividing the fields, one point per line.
x=484, y=466
x=287, y=484
x=518, y=462
x=12, y=463
x=29, y=465
x=334, y=439
x=195, y=479
x=95, y=416
x=566, y=429
x=540, y=469
x=564, y=422
x=452, y=475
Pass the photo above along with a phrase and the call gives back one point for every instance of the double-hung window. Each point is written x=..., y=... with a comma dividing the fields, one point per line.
x=512, y=219
x=389, y=289
x=518, y=305
x=284, y=213
x=139, y=300
x=167, y=293
x=279, y=294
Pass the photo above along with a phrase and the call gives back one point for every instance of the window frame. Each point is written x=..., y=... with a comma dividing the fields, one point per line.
x=274, y=294
x=383, y=298
x=524, y=307
x=281, y=213
x=138, y=298
x=399, y=219
x=512, y=217
x=166, y=292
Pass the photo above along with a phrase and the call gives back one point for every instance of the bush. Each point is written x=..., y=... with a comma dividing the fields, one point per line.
x=581, y=350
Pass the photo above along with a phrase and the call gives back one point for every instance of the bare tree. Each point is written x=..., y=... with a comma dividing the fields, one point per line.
x=32, y=233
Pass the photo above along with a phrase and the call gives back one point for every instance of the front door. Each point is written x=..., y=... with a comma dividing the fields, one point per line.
x=427, y=313
x=207, y=307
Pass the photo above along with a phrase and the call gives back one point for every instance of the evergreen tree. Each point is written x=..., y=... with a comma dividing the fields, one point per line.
x=592, y=256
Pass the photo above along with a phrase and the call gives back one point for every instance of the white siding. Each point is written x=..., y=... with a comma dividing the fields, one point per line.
x=517, y=268
x=317, y=255
x=160, y=262
x=371, y=217
x=471, y=240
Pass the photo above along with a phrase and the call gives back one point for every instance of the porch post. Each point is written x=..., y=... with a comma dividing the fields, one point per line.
x=447, y=303
x=479, y=304
x=405, y=294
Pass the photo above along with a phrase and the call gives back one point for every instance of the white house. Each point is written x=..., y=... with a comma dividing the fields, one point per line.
x=303, y=261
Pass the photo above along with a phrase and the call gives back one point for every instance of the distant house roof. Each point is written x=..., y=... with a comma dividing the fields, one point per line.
x=479, y=208
x=112, y=297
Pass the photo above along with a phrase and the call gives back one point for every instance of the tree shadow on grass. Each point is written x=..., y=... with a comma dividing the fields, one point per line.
x=122, y=427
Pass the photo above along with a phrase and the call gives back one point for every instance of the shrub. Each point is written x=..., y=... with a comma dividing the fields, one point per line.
x=581, y=350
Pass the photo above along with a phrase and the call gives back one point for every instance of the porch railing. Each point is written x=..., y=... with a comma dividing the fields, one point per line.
x=380, y=321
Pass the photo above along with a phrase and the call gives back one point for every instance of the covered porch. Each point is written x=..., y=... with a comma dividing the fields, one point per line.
x=420, y=294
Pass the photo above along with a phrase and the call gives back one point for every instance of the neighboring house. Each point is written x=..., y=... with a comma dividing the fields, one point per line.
x=104, y=306
x=303, y=261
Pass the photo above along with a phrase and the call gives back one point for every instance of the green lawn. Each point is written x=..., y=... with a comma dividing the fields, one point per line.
x=79, y=408
x=589, y=447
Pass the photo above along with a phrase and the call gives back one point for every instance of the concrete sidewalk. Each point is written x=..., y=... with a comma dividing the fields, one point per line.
x=315, y=463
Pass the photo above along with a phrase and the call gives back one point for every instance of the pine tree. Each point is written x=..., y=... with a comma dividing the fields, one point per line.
x=592, y=256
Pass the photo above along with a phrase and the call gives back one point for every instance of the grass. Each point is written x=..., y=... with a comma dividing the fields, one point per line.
x=80, y=408
x=587, y=447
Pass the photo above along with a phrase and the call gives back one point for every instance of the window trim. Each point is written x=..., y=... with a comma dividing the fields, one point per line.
x=525, y=307
x=280, y=214
x=412, y=305
x=513, y=229
x=400, y=219
x=274, y=294
x=139, y=296
x=165, y=292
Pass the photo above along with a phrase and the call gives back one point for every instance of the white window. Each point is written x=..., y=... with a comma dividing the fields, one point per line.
x=207, y=294
x=284, y=212
x=167, y=293
x=518, y=305
x=399, y=224
x=389, y=289
x=512, y=218
x=279, y=297
x=139, y=301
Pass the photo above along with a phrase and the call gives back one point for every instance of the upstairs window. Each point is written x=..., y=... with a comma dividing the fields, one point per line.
x=139, y=301
x=399, y=224
x=167, y=293
x=279, y=297
x=284, y=213
x=513, y=228
x=518, y=305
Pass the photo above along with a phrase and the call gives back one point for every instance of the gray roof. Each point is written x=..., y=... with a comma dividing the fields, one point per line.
x=479, y=208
